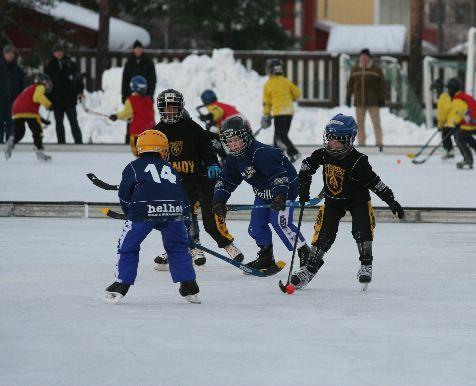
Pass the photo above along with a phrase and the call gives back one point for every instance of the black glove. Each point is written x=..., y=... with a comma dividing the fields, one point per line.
x=347, y=102
x=278, y=203
x=45, y=121
x=219, y=208
x=113, y=117
x=304, y=188
x=50, y=108
x=396, y=208
x=381, y=103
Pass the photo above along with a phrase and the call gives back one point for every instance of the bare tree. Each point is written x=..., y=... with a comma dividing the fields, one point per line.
x=102, y=58
x=415, y=71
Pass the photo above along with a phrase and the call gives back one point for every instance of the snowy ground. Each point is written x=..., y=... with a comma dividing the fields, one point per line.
x=23, y=178
x=415, y=325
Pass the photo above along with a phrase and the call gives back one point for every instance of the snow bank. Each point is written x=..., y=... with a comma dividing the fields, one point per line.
x=233, y=84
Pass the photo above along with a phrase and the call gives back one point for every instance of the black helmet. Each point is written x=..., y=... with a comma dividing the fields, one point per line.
x=274, y=67
x=165, y=100
x=45, y=80
x=236, y=126
x=454, y=85
x=437, y=86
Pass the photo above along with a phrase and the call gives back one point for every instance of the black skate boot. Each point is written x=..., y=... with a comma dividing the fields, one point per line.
x=306, y=273
x=304, y=253
x=189, y=290
x=465, y=164
x=161, y=262
x=448, y=155
x=264, y=260
x=115, y=292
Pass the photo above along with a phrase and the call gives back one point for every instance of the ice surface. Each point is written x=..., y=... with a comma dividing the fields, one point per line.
x=414, y=326
x=23, y=178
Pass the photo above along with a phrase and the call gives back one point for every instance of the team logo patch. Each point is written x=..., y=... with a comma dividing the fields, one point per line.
x=176, y=147
x=248, y=173
x=334, y=178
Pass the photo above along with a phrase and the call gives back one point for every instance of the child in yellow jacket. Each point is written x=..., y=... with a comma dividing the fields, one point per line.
x=442, y=110
x=279, y=93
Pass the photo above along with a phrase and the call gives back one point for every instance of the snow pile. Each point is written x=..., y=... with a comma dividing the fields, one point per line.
x=233, y=84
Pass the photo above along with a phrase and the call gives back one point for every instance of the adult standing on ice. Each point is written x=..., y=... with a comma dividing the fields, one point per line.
x=12, y=83
x=68, y=88
x=274, y=180
x=138, y=63
x=367, y=84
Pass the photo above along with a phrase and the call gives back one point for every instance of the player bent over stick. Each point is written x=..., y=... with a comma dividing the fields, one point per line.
x=274, y=180
x=152, y=197
x=348, y=177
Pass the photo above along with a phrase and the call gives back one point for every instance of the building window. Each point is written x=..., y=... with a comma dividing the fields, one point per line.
x=434, y=12
x=462, y=13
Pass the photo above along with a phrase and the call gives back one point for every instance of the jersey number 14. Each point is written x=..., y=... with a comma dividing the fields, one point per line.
x=165, y=173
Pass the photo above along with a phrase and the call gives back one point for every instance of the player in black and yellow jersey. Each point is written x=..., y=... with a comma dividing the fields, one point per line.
x=348, y=177
x=194, y=159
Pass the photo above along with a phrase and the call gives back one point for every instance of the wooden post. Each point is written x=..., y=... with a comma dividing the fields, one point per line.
x=103, y=41
x=415, y=71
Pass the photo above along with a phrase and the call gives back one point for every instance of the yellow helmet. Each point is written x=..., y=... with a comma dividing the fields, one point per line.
x=153, y=141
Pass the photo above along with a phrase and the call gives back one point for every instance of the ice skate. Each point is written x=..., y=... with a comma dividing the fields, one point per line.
x=9, y=147
x=264, y=260
x=449, y=154
x=464, y=164
x=234, y=252
x=306, y=273
x=40, y=154
x=365, y=276
x=304, y=252
x=189, y=290
x=161, y=262
x=115, y=292
x=198, y=257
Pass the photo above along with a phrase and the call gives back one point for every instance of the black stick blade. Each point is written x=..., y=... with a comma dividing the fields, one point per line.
x=282, y=286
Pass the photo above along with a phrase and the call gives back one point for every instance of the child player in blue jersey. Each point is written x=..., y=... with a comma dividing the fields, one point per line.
x=152, y=197
x=274, y=180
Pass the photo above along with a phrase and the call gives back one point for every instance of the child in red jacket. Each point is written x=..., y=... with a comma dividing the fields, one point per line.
x=139, y=108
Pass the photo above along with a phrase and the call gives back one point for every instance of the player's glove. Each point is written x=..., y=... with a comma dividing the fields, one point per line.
x=45, y=121
x=213, y=172
x=304, y=188
x=219, y=208
x=113, y=117
x=396, y=208
x=50, y=107
x=278, y=203
x=265, y=121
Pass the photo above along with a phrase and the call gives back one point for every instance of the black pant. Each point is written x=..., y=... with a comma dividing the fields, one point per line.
x=73, y=122
x=5, y=119
x=446, y=133
x=200, y=194
x=327, y=224
x=282, y=124
x=464, y=139
x=35, y=127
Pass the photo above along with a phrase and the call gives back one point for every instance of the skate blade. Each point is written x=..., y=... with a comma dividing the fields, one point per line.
x=364, y=286
x=112, y=297
x=200, y=267
x=161, y=267
x=193, y=299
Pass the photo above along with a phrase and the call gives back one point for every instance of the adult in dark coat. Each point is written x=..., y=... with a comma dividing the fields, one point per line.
x=12, y=83
x=68, y=87
x=138, y=63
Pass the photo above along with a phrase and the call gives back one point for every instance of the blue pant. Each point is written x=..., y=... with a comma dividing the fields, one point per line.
x=282, y=223
x=175, y=239
x=5, y=119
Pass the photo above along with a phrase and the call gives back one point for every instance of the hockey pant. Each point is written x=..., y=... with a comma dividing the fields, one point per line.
x=36, y=130
x=175, y=239
x=282, y=125
x=464, y=139
x=281, y=221
x=200, y=194
x=446, y=134
x=363, y=224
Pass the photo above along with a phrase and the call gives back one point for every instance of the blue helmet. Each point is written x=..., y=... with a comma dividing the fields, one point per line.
x=138, y=84
x=342, y=128
x=208, y=96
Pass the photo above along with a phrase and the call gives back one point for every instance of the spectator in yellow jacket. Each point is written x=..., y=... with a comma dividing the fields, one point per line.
x=279, y=93
x=442, y=111
x=462, y=117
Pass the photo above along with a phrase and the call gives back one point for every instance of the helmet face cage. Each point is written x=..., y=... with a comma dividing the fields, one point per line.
x=45, y=81
x=274, y=67
x=170, y=105
x=346, y=140
x=236, y=126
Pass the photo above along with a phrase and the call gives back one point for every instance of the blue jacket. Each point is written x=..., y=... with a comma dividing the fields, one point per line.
x=150, y=188
x=265, y=168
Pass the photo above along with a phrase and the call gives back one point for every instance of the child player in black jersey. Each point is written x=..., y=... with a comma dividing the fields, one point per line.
x=348, y=177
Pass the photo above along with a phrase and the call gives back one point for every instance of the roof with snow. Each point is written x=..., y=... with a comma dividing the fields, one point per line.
x=121, y=33
x=351, y=39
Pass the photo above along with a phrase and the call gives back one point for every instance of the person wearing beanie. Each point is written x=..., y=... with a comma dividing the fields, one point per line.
x=138, y=64
x=68, y=88
x=12, y=83
x=367, y=85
